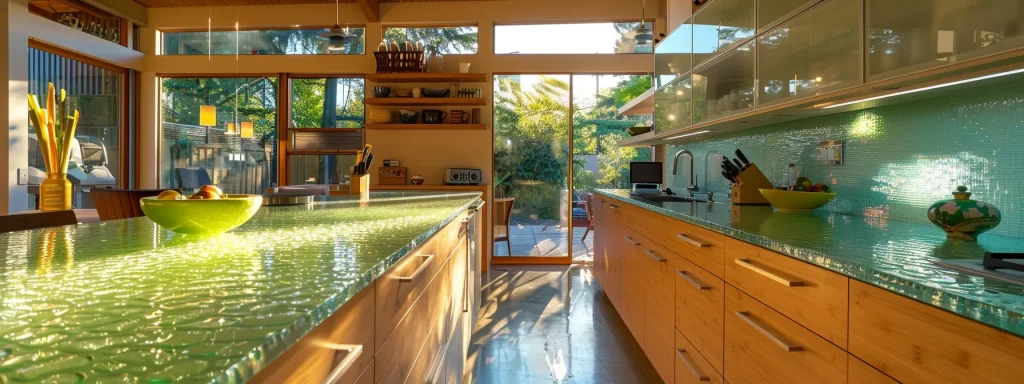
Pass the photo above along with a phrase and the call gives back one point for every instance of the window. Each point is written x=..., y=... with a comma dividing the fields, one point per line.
x=259, y=42
x=448, y=40
x=578, y=38
x=97, y=93
x=335, y=102
x=233, y=162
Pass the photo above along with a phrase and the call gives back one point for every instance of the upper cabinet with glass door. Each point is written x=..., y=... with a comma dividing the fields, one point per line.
x=672, y=105
x=725, y=87
x=673, y=56
x=773, y=12
x=817, y=51
x=910, y=35
x=720, y=26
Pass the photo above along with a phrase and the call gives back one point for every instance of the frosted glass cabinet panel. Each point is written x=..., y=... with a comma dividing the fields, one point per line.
x=817, y=51
x=720, y=26
x=672, y=106
x=772, y=12
x=726, y=86
x=672, y=58
x=909, y=35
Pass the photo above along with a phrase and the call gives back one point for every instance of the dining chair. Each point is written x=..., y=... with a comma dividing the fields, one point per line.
x=583, y=213
x=37, y=219
x=503, y=221
x=114, y=204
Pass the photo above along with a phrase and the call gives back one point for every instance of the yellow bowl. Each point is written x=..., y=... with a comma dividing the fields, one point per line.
x=796, y=201
x=202, y=217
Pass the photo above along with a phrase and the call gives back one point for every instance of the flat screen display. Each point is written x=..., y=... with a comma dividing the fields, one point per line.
x=645, y=172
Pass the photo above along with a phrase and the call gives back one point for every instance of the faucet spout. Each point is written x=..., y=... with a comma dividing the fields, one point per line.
x=675, y=168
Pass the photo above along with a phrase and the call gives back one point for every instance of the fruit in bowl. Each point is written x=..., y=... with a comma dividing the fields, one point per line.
x=205, y=212
x=802, y=196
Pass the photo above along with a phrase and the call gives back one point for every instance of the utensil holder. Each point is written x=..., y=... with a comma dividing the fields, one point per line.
x=746, y=190
x=359, y=184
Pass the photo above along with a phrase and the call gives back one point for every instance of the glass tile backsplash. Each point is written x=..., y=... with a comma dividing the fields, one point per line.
x=898, y=159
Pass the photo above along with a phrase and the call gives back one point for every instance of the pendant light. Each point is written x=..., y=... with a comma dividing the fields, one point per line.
x=337, y=37
x=247, y=130
x=644, y=35
x=208, y=113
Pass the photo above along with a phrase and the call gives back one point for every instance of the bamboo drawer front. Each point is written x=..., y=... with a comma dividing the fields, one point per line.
x=862, y=373
x=700, y=303
x=917, y=343
x=763, y=346
x=691, y=367
x=698, y=245
x=814, y=297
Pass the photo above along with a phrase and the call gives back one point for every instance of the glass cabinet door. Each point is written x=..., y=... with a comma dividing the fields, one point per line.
x=910, y=35
x=772, y=12
x=720, y=26
x=672, y=58
x=672, y=105
x=818, y=50
x=726, y=86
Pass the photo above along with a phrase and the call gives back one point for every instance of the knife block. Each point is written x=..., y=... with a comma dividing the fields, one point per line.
x=359, y=184
x=746, y=190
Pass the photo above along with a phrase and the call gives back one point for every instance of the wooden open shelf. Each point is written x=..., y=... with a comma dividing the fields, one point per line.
x=424, y=77
x=402, y=101
x=322, y=152
x=325, y=129
x=428, y=127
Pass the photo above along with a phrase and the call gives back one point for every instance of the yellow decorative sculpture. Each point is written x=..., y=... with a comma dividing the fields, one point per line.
x=55, y=130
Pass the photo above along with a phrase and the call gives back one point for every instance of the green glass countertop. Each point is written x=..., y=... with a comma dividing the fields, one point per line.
x=127, y=301
x=898, y=256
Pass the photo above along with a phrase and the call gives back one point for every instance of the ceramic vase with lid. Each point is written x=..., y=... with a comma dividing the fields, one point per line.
x=963, y=218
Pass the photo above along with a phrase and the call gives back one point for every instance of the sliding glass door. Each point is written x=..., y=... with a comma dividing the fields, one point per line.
x=532, y=167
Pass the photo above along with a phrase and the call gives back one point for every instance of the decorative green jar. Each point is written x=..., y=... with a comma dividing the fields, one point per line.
x=963, y=218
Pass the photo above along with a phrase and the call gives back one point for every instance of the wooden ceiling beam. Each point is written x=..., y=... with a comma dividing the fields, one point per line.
x=371, y=8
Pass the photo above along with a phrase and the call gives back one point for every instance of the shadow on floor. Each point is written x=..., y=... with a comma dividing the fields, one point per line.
x=552, y=325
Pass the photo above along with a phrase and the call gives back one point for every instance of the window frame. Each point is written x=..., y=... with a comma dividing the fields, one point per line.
x=495, y=25
x=162, y=51
x=384, y=28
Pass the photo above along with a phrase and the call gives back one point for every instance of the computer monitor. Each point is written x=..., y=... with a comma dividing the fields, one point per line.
x=645, y=172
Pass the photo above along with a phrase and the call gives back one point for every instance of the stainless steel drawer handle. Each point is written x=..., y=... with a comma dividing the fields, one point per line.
x=352, y=353
x=685, y=357
x=694, y=282
x=691, y=241
x=654, y=256
x=426, y=261
x=613, y=206
x=776, y=278
x=768, y=332
x=630, y=240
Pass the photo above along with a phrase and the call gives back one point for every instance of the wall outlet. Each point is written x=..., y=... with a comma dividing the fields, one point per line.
x=22, y=176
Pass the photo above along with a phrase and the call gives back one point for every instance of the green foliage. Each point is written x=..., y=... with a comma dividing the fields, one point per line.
x=309, y=98
x=439, y=39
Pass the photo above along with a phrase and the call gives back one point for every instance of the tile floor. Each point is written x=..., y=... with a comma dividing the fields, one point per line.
x=552, y=325
x=538, y=240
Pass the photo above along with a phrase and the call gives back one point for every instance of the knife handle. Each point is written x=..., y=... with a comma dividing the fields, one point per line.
x=743, y=158
x=739, y=165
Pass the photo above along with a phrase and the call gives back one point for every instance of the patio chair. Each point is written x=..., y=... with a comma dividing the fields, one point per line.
x=114, y=204
x=36, y=219
x=189, y=180
x=583, y=213
x=503, y=221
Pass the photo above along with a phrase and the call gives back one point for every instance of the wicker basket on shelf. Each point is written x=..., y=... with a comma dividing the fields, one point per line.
x=399, y=61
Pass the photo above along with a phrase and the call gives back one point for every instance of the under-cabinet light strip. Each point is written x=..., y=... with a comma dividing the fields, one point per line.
x=986, y=77
x=688, y=134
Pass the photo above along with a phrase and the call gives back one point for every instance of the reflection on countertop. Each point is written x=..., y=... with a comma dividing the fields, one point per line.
x=898, y=256
x=128, y=301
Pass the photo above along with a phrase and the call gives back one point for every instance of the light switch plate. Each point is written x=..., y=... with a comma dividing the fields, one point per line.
x=22, y=176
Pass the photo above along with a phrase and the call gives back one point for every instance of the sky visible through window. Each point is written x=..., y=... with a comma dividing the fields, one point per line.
x=576, y=38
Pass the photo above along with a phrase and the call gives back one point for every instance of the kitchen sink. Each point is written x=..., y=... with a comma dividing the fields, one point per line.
x=670, y=199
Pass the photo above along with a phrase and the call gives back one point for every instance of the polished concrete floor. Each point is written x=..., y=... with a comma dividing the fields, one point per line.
x=552, y=325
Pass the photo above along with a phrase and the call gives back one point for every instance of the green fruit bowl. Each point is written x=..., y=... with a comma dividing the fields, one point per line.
x=796, y=201
x=201, y=217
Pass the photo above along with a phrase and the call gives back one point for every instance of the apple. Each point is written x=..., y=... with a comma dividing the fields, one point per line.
x=212, y=188
x=204, y=195
x=169, y=194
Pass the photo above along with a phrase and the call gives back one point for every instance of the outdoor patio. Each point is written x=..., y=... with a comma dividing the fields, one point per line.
x=541, y=241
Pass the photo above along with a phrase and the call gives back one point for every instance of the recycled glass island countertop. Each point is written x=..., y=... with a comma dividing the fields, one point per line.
x=897, y=256
x=127, y=301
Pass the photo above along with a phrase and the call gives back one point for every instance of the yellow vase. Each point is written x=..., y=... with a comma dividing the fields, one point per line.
x=55, y=193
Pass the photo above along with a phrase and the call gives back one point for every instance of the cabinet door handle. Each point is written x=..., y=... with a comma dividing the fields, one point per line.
x=613, y=206
x=654, y=256
x=426, y=261
x=776, y=278
x=691, y=241
x=768, y=332
x=689, y=279
x=689, y=364
x=630, y=240
x=352, y=353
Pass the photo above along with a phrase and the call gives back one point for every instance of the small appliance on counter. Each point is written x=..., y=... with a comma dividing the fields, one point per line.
x=462, y=176
x=645, y=177
x=286, y=198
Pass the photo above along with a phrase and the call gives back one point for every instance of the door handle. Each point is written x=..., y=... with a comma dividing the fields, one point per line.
x=654, y=256
x=697, y=373
x=352, y=354
x=426, y=261
x=760, y=271
x=771, y=334
x=689, y=279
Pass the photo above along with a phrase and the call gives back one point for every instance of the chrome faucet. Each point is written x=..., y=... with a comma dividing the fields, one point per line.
x=675, y=167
